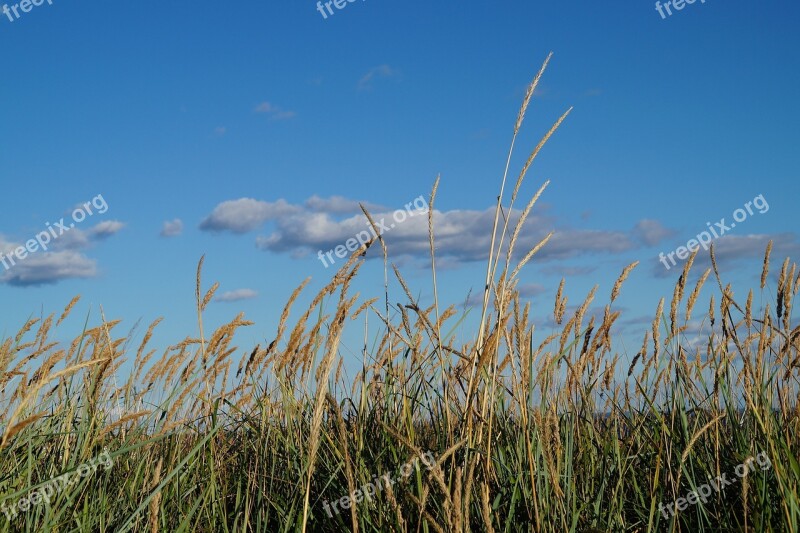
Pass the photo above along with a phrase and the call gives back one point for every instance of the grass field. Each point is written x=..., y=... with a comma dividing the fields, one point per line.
x=500, y=434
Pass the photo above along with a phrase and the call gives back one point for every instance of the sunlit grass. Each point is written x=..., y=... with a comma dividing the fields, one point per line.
x=552, y=435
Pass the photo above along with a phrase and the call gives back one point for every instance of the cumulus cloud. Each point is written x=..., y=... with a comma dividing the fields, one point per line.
x=651, y=232
x=461, y=235
x=74, y=239
x=63, y=258
x=381, y=71
x=172, y=228
x=43, y=268
x=731, y=250
x=105, y=229
x=236, y=295
x=568, y=243
x=339, y=205
x=78, y=239
x=245, y=214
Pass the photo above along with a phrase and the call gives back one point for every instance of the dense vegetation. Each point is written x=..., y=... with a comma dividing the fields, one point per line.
x=500, y=434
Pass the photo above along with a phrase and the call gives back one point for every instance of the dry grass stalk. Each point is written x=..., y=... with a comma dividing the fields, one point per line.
x=155, y=503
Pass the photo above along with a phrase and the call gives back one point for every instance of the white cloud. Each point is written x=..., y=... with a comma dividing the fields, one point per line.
x=461, y=235
x=730, y=250
x=105, y=229
x=273, y=111
x=245, y=214
x=338, y=205
x=42, y=268
x=236, y=295
x=651, y=232
x=74, y=239
x=301, y=230
x=172, y=228
x=61, y=260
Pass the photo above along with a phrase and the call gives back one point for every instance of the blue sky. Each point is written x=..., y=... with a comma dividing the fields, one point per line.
x=170, y=110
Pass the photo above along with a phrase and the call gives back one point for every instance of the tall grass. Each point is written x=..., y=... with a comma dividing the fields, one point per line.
x=546, y=435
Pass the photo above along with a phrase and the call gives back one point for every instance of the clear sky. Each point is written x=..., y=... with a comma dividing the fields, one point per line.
x=248, y=131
